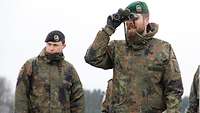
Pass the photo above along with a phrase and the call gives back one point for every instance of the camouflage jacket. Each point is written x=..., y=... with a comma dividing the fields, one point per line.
x=48, y=88
x=194, y=94
x=146, y=80
x=106, y=102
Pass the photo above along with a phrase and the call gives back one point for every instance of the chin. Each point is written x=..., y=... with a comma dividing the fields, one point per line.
x=51, y=52
x=131, y=34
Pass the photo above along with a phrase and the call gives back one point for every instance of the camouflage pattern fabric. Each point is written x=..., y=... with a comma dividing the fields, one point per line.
x=106, y=102
x=194, y=94
x=145, y=80
x=48, y=88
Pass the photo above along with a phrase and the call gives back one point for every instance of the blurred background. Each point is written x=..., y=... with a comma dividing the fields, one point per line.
x=25, y=23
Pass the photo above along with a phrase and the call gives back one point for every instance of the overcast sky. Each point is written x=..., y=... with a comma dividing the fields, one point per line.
x=25, y=23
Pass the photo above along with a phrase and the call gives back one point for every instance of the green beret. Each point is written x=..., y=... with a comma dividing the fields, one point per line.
x=138, y=7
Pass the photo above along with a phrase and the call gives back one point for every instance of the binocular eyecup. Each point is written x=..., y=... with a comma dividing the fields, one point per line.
x=123, y=15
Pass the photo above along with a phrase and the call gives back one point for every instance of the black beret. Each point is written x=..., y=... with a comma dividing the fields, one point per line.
x=55, y=36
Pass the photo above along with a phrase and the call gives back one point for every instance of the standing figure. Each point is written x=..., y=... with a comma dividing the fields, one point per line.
x=48, y=83
x=146, y=75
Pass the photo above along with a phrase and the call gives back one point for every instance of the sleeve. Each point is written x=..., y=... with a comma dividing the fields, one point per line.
x=193, y=98
x=99, y=54
x=173, y=87
x=21, y=100
x=77, y=94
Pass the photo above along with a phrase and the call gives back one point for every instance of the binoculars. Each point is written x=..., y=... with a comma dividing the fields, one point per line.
x=123, y=15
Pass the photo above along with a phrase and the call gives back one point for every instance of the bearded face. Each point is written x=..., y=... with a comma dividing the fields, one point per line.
x=133, y=27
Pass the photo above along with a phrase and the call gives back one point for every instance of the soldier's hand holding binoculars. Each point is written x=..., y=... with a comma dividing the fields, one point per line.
x=114, y=20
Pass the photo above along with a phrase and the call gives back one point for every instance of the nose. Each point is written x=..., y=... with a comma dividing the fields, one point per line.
x=51, y=49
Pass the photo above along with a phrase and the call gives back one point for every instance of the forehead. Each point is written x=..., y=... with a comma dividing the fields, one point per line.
x=55, y=43
x=139, y=14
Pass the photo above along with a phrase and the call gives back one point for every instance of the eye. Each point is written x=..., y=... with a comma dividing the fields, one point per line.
x=49, y=44
x=55, y=45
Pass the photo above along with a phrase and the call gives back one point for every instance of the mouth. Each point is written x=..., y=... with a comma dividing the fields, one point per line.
x=131, y=27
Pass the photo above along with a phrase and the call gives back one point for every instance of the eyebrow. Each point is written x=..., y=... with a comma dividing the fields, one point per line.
x=54, y=44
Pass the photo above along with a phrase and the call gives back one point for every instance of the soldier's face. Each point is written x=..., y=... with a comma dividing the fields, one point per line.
x=54, y=47
x=133, y=26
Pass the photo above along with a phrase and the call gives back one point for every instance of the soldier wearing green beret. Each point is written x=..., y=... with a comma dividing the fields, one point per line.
x=48, y=83
x=194, y=94
x=146, y=75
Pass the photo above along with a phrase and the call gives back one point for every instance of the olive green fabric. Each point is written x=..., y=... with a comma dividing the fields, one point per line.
x=106, y=102
x=194, y=94
x=46, y=87
x=146, y=80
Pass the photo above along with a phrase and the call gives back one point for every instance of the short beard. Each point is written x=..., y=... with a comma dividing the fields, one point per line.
x=132, y=35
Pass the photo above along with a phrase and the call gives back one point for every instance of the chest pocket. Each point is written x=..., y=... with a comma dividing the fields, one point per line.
x=156, y=68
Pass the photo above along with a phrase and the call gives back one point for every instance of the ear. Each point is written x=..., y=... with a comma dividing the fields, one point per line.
x=64, y=45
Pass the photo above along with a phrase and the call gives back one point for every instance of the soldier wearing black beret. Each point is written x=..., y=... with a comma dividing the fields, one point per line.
x=48, y=83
